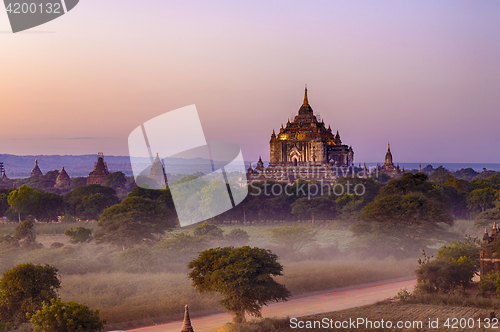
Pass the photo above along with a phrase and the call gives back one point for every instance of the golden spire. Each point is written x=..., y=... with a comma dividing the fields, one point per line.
x=388, y=147
x=306, y=102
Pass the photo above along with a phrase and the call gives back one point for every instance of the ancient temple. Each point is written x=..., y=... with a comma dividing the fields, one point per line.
x=302, y=143
x=306, y=141
x=63, y=180
x=98, y=175
x=36, y=170
x=389, y=168
x=489, y=261
x=2, y=172
x=156, y=179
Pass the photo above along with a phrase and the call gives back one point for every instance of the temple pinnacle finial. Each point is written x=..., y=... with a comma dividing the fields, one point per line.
x=306, y=101
x=388, y=146
x=36, y=161
x=186, y=325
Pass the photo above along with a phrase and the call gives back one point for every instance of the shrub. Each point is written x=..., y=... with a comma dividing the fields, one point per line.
x=81, y=234
x=294, y=238
x=490, y=284
x=137, y=260
x=24, y=288
x=404, y=295
x=237, y=237
x=56, y=245
x=66, y=317
x=208, y=231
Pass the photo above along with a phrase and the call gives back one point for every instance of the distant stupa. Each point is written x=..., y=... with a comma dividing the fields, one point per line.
x=36, y=170
x=98, y=175
x=63, y=180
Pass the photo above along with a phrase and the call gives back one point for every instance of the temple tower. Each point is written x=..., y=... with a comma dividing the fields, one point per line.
x=100, y=172
x=186, y=324
x=63, y=180
x=36, y=170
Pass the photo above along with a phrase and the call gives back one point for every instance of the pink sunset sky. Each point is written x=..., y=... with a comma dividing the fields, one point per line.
x=422, y=75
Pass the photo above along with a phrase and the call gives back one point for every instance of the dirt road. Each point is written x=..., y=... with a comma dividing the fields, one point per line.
x=301, y=306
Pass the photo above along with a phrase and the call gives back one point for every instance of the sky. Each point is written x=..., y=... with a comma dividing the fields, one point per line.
x=422, y=75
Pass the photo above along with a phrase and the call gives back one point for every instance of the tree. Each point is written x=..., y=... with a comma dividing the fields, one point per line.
x=437, y=277
x=466, y=174
x=208, y=231
x=180, y=246
x=80, y=181
x=407, y=221
x=321, y=207
x=456, y=264
x=161, y=195
x=490, y=283
x=92, y=206
x=135, y=219
x=115, y=180
x=81, y=234
x=440, y=175
x=75, y=197
x=481, y=199
x=237, y=237
x=25, y=235
x=468, y=247
x=243, y=276
x=44, y=182
x=24, y=288
x=293, y=238
x=66, y=317
x=4, y=204
x=488, y=217
x=48, y=206
x=23, y=199
x=407, y=213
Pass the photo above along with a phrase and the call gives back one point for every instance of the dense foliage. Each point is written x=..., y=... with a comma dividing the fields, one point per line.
x=68, y=316
x=24, y=288
x=243, y=276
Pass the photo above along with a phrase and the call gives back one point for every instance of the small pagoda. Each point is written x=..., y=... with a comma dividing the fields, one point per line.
x=36, y=170
x=100, y=172
x=63, y=180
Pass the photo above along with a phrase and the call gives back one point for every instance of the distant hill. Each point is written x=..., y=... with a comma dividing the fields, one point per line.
x=21, y=166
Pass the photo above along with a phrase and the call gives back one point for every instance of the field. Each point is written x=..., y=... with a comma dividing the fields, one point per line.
x=417, y=317
x=141, y=299
x=130, y=297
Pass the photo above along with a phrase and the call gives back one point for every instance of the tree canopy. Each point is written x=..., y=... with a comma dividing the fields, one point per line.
x=24, y=288
x=68, y=316
x=456, y=264
x=243, y=276
x=135, y=219
x=75, y=205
